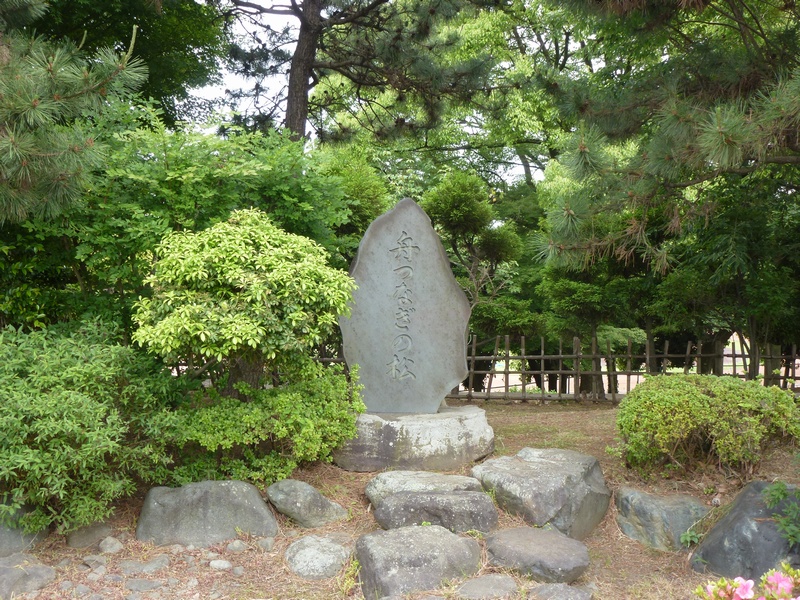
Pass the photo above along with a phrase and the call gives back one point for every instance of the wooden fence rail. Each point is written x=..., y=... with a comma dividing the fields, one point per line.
x=608, y=375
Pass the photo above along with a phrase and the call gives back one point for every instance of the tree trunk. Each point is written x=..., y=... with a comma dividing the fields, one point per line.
x=302, y=66
x=246, y=368
x=772, y=364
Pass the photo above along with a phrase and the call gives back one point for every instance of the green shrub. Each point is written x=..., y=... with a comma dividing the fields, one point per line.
x=77, y=420
x=688, y=419
x=263, y=440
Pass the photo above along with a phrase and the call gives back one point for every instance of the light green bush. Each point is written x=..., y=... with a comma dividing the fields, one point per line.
x=77, y=416
x=264, y=439
x=689, y=419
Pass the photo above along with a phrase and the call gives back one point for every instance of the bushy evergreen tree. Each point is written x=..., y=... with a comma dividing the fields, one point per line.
x=48, y=94
x=387, y=59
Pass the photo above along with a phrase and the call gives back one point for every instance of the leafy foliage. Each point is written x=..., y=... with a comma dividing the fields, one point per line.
x=688, y=419
x=244, y=294
x=479, y=246
x=263, y=440
x=94, y=258
x=182, y=43
x=83, y=416
x=778, y=496
x=46, y=157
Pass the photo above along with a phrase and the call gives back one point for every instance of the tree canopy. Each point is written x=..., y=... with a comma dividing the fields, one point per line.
x=47, y=150
x=387, y=61
x=182, y=42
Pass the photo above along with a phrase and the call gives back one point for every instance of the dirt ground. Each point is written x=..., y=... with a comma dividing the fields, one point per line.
x=620, y=568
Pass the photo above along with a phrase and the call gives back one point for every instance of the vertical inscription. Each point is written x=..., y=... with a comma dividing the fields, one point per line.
x=401, y=366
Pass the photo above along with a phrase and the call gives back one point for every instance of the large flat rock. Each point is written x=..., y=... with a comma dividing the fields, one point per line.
x=304, y=504
x=446, y=441
x=746, y=541
x=546, y=555
x=204, y=513
x=385, y=484
x=407, y=330
x=411, y=559
x=14, y=540
x=561, y=487
x=21, y=573
x=657, y=521
x=315, y=557
x=457, y=511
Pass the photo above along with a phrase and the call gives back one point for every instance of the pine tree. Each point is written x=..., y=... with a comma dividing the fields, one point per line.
x=382, y=56
x=48, y=94
x=676, y=96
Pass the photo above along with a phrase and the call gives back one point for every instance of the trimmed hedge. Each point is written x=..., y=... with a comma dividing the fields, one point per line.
x=690, y=419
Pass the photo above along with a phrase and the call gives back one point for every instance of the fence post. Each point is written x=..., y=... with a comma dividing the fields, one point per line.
x=523, y=362
x=560, y=367
x=472, y=367
x=687, y=361
x=576, y=351
x=491, y=367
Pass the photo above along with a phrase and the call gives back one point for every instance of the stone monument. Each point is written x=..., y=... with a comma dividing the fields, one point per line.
x=407, y=334
x=408, y=327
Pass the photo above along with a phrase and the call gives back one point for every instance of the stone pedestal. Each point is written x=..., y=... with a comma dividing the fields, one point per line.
x=444, y=441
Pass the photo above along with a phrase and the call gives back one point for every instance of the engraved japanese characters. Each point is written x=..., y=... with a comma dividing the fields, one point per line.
x=407, y=330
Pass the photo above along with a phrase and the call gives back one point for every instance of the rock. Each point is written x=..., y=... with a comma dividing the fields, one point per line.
x=457, y=511
x=544, y=554
x=266, y=543
x=407, y=329
x=203, y=514
x=130, y=567
x=446, y=441
x=88, y=535
x=22, y=573
x=304, y=504
x=14, y=540
x=559, y=591
x=314, y=557
x=236, y=547
x=143, y=585
x=93, y=561
x=111, y=545
x=391, y=482
x=220, y=565
x=561, y=487
x=488, y=587
x=745, y=542
x=413, y=559
x=657, y=521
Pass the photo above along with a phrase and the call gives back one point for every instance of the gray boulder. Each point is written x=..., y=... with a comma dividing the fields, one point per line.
x=391, y=482
x=745, y=542
x=561, y=487
x=559, y=591
x=657, y=521
x=88, y=535
x=412, y=559
x=457, y=511
x=314, y=557
x=488, y=587
x=21, y=573
x=203, y=514
x=13, y=539
x=304, y=504
x=544, y=554
x=444, y=441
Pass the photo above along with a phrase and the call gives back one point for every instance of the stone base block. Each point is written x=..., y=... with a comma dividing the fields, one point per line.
x=445, y=441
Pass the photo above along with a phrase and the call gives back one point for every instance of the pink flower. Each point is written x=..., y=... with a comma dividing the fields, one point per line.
x=744, y=589
x=779, y=583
